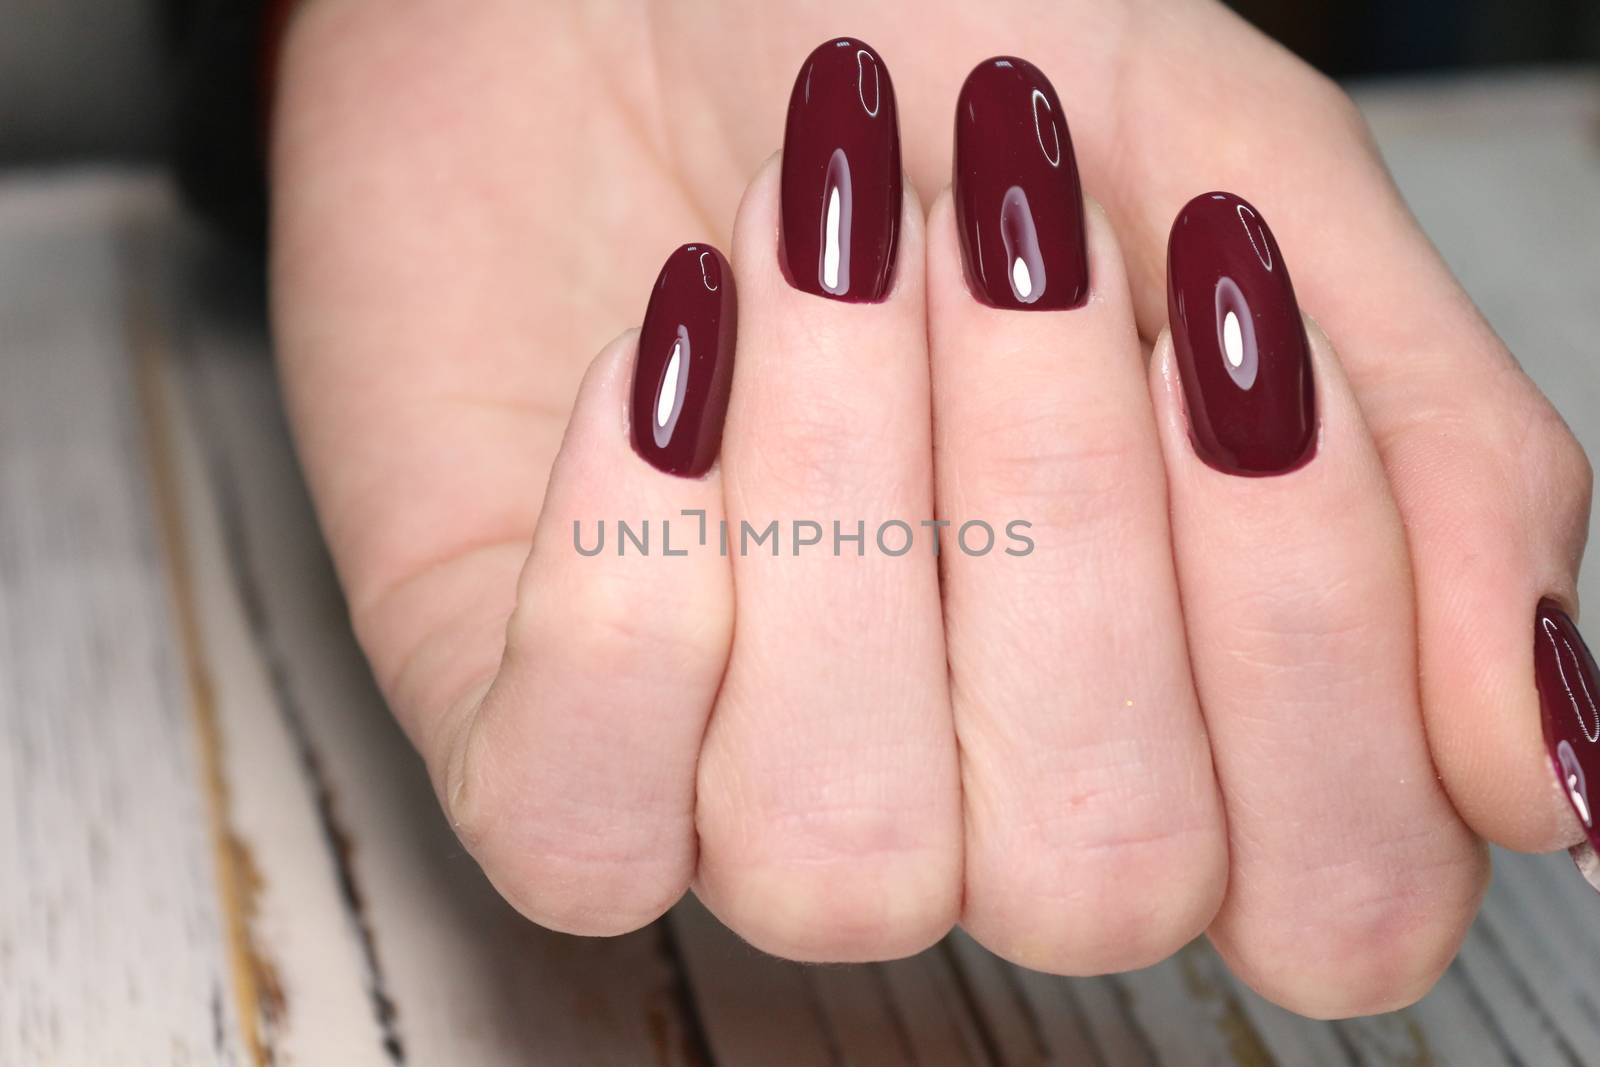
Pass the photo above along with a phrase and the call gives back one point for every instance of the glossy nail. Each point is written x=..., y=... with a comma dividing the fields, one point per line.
x=1019, y=203
x=1240, y=344
x=685, y=365
x=839, y=222
x=1569, y=689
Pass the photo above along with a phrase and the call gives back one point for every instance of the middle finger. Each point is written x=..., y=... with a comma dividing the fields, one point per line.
x=829, y=803
x=1084, y=757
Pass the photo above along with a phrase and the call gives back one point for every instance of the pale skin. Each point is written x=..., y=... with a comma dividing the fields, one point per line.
x=1286, y=711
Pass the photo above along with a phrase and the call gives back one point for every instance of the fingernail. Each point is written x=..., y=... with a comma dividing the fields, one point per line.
x=1241, y=346
x=685, y=365
x=839, y=221
x=1019, y=204
x=1569, y=687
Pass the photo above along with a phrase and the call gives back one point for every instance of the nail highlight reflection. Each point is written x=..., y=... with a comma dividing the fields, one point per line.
x=1021, y=239
x=669, y=397
x=837, y=194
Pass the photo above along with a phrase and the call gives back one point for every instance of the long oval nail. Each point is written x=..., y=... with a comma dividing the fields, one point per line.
x=685, y=365
x=1569, y=703
x=839, y=220
x=1019, y=202
x=1241, y=346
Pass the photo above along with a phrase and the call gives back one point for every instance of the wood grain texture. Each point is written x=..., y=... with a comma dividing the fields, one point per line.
x=112, y=933
x=168, y=615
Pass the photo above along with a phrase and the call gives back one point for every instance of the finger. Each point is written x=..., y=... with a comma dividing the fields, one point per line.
x=573, y=781
x=1352, y=880
x=829, y=800
x=1085, y=766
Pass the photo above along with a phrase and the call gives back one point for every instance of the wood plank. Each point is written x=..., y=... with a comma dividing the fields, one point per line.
x=315, y=979
x=1190, y=1010
x=751, y=1004
x=931, y=1010
x=1101, y=1007
x=1505, y=991
x=756, y=1007
x=1022, y=1030
x=114, y=940
x=1536, y=928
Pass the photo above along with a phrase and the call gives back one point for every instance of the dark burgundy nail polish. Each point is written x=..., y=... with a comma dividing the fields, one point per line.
x=1019, y=203
x=1241, y=346
x=685, y=366
x=839, y=222
x=1569, y=700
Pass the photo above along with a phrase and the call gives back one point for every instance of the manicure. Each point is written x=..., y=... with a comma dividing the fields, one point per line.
x=685, y=364
x=1569, y=686
x=1240, y=344
x=839, y=222
x=1019, y=203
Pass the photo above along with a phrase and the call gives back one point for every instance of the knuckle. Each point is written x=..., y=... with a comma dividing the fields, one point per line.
x=1552, y=459
x=803, y=434
x=587, y=902
x=1327, y=101
x=1066, y=909
x=1505, y=447
x=840, y=913
x=1313, y=623
x=1367, y=974
x=1055, y=458
x=805, y=449
x=583, y=862
x=571, y=875
x=838, y=887
x=1376, y=944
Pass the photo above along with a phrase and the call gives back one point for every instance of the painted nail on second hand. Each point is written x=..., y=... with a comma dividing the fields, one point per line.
x=1569, y=703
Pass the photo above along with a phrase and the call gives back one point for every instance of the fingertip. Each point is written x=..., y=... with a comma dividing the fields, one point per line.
x=1166, y=395
x=619, y=350
x=1108, y=271
x=599, y=411
x=861, y=910
x=755, y=232
x=1380, y=950
x=913, y=251
x=943, y=254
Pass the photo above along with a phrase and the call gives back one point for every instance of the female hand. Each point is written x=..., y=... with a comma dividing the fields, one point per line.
x=1282, y=716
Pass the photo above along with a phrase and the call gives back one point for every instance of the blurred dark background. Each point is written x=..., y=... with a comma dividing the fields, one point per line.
x=130, y=59
x=1351, y=38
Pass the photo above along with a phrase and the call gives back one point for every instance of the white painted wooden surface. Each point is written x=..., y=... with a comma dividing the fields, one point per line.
x=111, y=919
x=215, y=847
